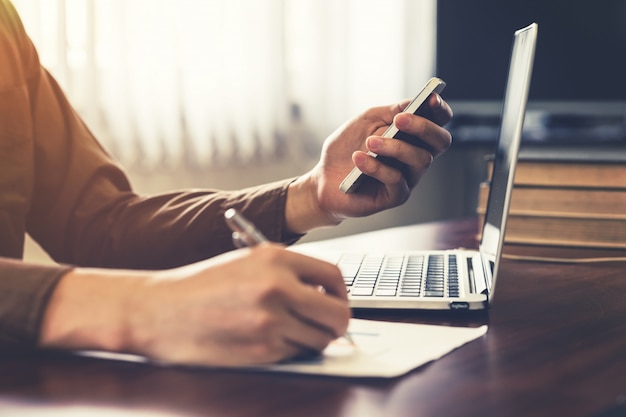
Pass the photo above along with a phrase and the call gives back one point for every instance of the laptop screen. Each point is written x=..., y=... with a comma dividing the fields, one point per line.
x=505, y=158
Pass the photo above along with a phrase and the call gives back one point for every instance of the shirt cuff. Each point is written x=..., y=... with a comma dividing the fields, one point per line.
x=25, y=291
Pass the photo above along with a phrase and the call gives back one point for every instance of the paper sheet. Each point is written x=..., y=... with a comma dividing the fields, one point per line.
x=383, y=349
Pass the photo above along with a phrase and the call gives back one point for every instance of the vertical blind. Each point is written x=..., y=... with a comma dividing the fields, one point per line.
x=208, y=82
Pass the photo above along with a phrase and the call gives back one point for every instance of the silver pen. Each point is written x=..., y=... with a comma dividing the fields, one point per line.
x=245, y=233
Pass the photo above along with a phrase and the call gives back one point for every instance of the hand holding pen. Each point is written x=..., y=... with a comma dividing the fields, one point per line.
x=245, y=233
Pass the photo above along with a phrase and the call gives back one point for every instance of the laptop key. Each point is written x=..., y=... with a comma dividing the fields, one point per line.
x=362, y=291
x=386, y=292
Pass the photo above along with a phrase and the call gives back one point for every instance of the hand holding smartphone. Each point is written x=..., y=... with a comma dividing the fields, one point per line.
x=355, y=177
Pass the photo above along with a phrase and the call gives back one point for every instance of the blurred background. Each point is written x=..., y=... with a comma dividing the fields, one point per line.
x=232, y=93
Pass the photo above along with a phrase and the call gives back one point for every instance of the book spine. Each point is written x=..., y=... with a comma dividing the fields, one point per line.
x=565, y=204
x=564, y=174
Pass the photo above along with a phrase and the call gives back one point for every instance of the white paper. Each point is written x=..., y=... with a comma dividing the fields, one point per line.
x=382, y=349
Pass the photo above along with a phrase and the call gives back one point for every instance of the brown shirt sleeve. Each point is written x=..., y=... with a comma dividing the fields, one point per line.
x=66, y=191
x=24, y=290
x=58, y=184
x=115, y=228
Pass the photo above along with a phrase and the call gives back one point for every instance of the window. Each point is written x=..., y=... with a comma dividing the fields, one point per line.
x=205, y=82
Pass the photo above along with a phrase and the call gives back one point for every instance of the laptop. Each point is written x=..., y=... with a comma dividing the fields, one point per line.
x=456, y=279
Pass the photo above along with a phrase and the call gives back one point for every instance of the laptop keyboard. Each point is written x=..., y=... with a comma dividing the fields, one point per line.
x=432, y=275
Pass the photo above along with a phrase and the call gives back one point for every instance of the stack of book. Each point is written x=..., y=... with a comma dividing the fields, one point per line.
x=566, y=197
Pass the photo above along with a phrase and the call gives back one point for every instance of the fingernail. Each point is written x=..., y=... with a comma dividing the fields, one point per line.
x=438, y=100
x=359, y=158
x=403, y=121
x=374, y=143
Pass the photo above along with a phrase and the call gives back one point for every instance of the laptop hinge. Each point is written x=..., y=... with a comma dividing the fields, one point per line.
x=480, y=275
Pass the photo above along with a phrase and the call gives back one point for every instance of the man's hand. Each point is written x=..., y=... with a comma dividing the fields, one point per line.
x=314, y=200
x=250, y=306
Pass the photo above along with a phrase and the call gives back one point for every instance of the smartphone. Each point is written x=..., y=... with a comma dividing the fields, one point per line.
x=355, y=177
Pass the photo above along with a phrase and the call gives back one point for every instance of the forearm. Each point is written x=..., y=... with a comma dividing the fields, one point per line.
x=169, y=230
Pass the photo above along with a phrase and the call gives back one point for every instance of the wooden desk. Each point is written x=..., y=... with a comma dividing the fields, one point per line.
x=556, y=346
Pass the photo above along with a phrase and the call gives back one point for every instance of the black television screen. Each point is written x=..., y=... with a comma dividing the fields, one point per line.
x=580, y=56
x=578, y=89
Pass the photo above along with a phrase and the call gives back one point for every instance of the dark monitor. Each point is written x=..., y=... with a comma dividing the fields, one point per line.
x=578, y=94
x=581, y=52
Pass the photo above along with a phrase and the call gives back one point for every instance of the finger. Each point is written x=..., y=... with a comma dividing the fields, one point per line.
x=317, y=309
x=436, y=109
x=424, y=132
x=400, y=177
x=309, y=336
x=326, y=310
x=400, y=151
x=317, y=273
